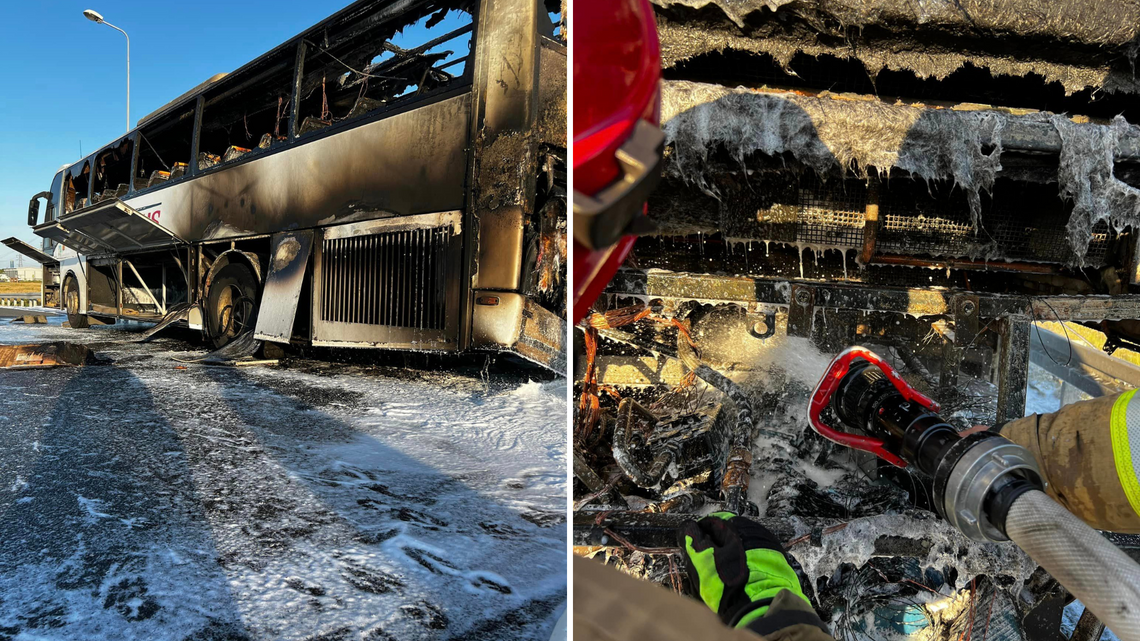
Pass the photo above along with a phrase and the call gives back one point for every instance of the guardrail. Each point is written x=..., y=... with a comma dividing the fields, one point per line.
x=1076, y=363
x=21, y=300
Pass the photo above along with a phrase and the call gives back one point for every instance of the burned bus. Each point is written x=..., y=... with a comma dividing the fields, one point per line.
x=393, y=177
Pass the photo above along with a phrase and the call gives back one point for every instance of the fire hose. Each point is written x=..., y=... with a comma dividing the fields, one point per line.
x=983, y=484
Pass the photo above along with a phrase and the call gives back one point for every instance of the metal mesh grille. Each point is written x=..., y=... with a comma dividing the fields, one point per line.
x=1021, y=222
x=831, y=215
x=1098, y=246
x=1024, y=229
x=917, y=219
x=396, y=279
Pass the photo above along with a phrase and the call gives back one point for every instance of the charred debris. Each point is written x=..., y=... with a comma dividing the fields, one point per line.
x=929, y=179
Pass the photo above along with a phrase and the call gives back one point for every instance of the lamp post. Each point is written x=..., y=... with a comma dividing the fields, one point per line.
x=94, y=16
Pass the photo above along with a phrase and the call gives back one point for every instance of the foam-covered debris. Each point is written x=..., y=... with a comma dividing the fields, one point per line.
x=1087, y=177
x=1106, y=23
x=855, y=544
x=1078, y=44
x=826, y=134
x=831, y=134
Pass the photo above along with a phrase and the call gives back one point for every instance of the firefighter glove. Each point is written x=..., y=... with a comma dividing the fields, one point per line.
x=737, y=566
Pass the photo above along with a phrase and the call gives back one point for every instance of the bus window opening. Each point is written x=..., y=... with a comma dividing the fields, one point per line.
x=353, y=72
x=248, y=116
x=75, y=187
x=113, y=171
x=164, y=149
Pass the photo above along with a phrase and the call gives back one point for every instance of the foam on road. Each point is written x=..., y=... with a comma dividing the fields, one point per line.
x=146, y=499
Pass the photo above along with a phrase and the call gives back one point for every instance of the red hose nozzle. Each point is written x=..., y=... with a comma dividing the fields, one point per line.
x=821, y=398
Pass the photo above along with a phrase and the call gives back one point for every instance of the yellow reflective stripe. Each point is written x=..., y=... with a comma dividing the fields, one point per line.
x=1125, y=425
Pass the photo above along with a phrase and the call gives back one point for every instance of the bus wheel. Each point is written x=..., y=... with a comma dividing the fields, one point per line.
x=71, y=304
x=231, y=307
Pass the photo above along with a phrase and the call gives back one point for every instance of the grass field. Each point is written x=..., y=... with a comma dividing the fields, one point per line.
x=20, y=288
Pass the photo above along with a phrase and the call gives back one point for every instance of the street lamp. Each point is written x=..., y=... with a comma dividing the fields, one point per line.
x=94, y=16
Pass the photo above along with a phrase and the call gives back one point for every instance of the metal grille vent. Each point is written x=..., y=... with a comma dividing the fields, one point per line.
x=396, y=279
x=1019, y=222
x=831, y=216
x=921, y=219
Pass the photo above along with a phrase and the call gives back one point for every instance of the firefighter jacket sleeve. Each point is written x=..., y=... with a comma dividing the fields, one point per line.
x=1089, y=455
x=740, y=570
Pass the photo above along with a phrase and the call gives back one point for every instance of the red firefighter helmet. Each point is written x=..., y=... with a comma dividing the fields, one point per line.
x=617, y=138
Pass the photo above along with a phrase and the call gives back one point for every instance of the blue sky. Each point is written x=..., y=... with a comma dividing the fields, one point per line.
x=62, y=79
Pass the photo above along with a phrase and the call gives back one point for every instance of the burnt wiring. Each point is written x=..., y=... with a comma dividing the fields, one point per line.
x=589, y=406
x=1068, y=341
x=325, y=113
x=363, y=89
x=914, y=364
x=738, y=460
x=156, y=154
x=282, y=104
x=346, y=65
x=886, y=594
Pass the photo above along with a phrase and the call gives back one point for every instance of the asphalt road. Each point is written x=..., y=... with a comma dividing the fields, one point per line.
x=146, y=499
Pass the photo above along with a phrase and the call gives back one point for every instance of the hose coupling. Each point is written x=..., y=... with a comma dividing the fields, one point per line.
x=977, y=477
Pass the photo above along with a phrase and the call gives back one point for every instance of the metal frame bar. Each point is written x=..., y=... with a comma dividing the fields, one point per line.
x=1086, y=368
x=161, y=307
x=973, y=312
x=136, y=151
x=298, y=78
x=118, y=289
x=1013, y=368
x=196, y=137
x=921, y=302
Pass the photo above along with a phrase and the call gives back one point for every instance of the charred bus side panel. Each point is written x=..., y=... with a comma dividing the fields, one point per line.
x=509, y=157
x=409, y=163
x=420, y=168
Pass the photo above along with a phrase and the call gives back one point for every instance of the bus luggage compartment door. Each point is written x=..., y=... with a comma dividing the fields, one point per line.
x=79, y=242
x=116, y=225
x=20, y=246
x=282, y=291
x=392, y=283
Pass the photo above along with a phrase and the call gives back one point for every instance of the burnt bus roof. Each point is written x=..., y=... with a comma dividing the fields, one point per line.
x=180, y=99
x=346, y=15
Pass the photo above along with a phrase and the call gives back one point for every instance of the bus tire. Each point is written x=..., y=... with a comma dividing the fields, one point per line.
x=231, y=305
x=71, y=304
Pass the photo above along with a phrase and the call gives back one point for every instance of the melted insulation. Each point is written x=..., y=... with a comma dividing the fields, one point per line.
x=833, y=134
x=1081, y=45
